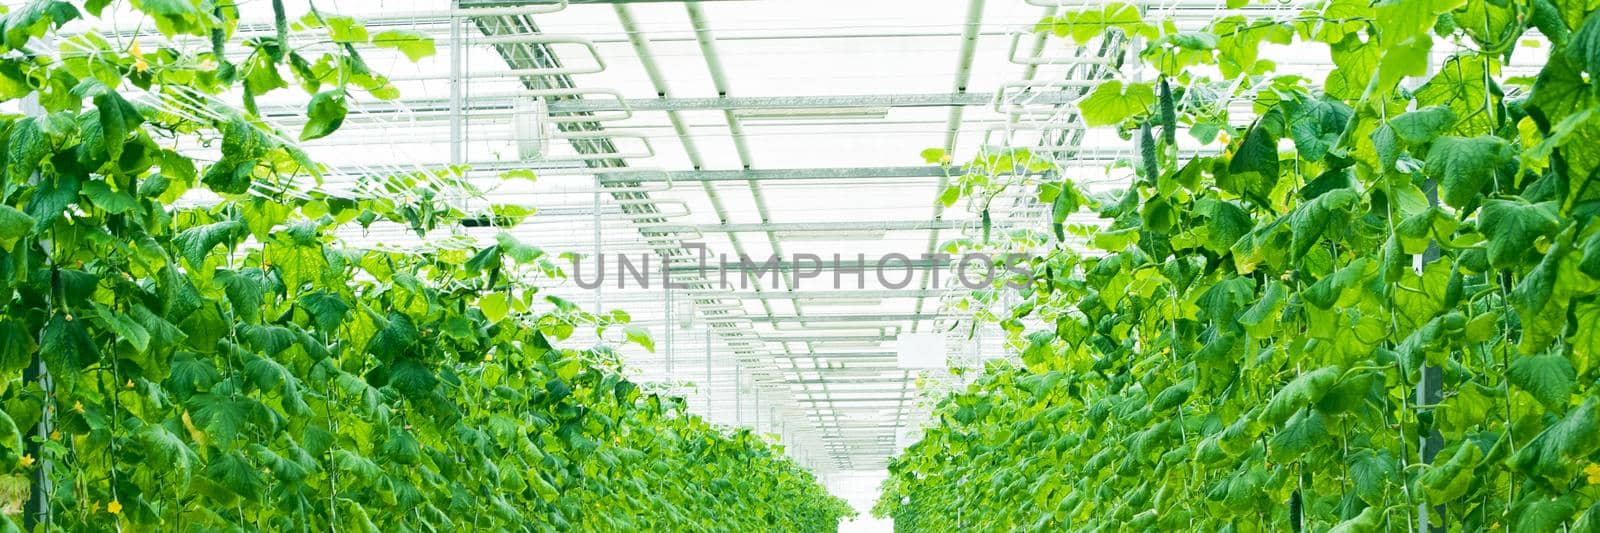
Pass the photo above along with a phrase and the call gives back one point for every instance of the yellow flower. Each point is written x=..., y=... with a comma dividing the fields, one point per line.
x=139, y=64
x=27, y=460
x=77, y=407
x=1593, y=472
x=114, y=507
x=135, y=50
x=55, y=435
x=488, y=357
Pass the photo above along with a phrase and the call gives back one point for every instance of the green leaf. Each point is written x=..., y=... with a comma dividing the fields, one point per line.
x=1423, y=125
x=246, y=290
x=324, y=114
x=1303, y=432
x=1537, y=512
x=1226, y=223
x=26, y=146
x=1373, y=472
x=237, y=477
x=1464, y=166
x=1399, y=21
x=1087, y=24
x=14, y=225
x=1370, y=520
x=494, y=306
x=517, y=250
x=1302, y=391
x=1584, y=48
x=1253, y=172
x=65, y=344
x=1448, y=479
x=1112, y=102
x=197, y=242
x=1460, y=85
x=175, y=16
x=346, y=29
x=1553, y=454
x=414, y=44
x=125, y=327
x=117, y=119
x=114, y=202
x=328, y=310
x=520, y=173
x=1324, y=214
x=17, y=351
x=165, y=447
x=1512, y=226
x=1410, y=58
x=1549, y=377
x=639, y=335
x=412, y=379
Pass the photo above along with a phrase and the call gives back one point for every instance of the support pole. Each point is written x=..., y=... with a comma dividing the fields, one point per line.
x=666, y=290
x=37, y=510
x=599, y=260
x=457, y=92
x=708, y=374
x=1428, y=390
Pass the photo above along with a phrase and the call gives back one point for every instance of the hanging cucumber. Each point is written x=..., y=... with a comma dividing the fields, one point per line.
x=1147, y=154
x=1169, y=115
x=281, y=22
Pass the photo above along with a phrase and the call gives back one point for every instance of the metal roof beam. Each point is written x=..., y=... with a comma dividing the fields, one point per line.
x=900, y=225
x=835, y=173
x=861, y=355
x=518, y=3
x=844, y=294
x=861, y=317
x=865, y=101
x=763, y=267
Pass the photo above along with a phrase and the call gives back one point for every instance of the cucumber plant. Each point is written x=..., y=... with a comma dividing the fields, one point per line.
x=234, y=365
x=1240, y=348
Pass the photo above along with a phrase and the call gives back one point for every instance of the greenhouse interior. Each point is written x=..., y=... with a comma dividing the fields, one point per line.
x=811, y=266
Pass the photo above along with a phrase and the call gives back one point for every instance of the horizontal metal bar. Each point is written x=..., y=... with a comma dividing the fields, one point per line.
x=764, y=266
x=854, y=317
x=838, y=173
x=841, y=294
x=852, y=400
x=848, y=381
x=902, y=225
x=859, y=355
x=796, y=102
x=833, y=338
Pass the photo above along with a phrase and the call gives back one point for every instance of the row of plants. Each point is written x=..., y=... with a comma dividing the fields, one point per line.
x=1375, y=306
x=235, y=365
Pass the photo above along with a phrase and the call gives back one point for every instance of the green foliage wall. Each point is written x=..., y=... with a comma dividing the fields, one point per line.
x=1245, y=353
x=233, y=366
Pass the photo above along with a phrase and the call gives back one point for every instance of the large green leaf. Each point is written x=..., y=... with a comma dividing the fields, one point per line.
x=1423, y=125
x=1551, y=454
x=1465, y=166
x=14, y=225
x=1303, y=391
x=324, y=114
x=414, y=44
x=1113, y=102
x=1549, y=377
x=197, y=242
x=1512, y=226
